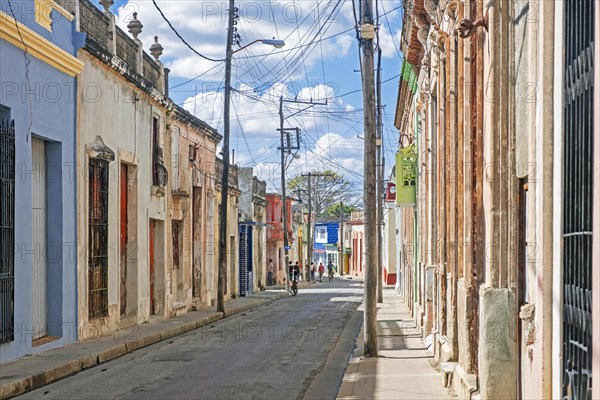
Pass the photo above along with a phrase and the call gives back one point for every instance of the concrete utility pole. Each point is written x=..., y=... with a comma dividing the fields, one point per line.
x=380, y=164
x=286, y=245
x=310, y=231
x=286, y=147
x=222, y=281
x=223, y=208
x=367, y=35
x=310, y=175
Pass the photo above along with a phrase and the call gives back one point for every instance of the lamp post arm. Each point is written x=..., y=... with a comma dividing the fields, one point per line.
x=248, y=45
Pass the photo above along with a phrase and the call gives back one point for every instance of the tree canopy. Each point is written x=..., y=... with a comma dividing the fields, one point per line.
x=329, y=189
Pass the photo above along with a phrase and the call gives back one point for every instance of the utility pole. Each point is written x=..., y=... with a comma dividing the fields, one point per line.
x=286, y=147
x=380, y=164
x=367, y=35
x=310, y=231
x=341, y=262
x=286, y=245
x=222, y=281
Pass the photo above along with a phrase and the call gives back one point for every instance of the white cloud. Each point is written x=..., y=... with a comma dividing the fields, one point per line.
x=203, y=25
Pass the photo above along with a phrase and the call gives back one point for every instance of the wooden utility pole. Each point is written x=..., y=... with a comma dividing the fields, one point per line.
x=380, y=165
x=367, y=35
x=223, y=209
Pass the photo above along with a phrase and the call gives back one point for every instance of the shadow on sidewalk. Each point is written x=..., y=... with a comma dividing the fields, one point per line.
x=402, y=369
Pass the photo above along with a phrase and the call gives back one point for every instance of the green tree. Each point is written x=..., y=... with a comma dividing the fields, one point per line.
x=328, y=190
x=337, y=210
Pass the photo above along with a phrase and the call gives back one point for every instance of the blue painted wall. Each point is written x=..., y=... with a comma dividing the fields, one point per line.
x=332, y=233
x=49, y=107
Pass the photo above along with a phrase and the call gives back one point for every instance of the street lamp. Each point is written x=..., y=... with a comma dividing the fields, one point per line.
x=222, y=274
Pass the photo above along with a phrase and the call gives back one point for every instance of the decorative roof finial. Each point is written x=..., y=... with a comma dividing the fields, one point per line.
x=106, y=4
x=156, y=49
x=135, y=26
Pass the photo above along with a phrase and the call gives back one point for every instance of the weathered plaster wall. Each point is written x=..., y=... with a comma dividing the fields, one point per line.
x=108, y=108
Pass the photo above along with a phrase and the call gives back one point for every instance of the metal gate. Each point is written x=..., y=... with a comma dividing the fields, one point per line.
x=7, y=230
x=577, y=199
x=243, y=260
x=39, y=278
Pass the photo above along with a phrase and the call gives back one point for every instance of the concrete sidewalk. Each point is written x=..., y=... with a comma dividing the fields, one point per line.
x=402, y=370
x=32, y=372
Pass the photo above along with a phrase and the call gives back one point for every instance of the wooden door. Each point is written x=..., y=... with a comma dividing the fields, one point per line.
x=40, y=270
x=151, y=258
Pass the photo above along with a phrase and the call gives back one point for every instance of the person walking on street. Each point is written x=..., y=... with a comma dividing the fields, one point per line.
x=313, y=272
x=298, y=268
x=270, y=274
x=330, y=270
x=321, y=271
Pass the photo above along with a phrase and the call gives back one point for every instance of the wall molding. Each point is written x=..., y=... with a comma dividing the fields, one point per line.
x=37, y=46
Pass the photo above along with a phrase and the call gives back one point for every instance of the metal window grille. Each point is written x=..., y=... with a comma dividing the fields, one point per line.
x=98, y=239
x=7, y=229
x=177, y=230
x=159, y=172
x=577, y=200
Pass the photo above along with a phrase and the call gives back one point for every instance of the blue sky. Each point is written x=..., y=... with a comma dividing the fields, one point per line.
x=320, y=61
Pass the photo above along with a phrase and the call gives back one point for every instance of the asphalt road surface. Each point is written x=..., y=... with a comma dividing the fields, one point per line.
x=276, y=351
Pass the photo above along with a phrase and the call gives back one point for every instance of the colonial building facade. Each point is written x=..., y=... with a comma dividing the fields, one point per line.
x=123, y=274
x=190, y=151
x=495, y=113
x=38, y=244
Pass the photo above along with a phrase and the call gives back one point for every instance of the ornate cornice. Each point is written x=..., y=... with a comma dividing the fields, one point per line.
x=43, y=8
x=37, y=46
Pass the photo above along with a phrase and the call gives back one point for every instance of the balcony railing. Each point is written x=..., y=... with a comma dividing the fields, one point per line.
x=97, y=25
x=259, y=188
x=233, y=173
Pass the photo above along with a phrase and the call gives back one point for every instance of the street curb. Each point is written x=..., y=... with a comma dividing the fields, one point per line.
x=39, y=379
x=111, y=353
x=62, y=371
x=132, y=345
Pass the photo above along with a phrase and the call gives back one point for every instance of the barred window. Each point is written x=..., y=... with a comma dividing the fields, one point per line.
x=7, y=229
x=98, y=238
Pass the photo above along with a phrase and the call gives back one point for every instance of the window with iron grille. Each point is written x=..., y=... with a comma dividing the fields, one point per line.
x=7, y=229
x=159, y=172
x=578, y=161
x=177, y=227
x=98, y=238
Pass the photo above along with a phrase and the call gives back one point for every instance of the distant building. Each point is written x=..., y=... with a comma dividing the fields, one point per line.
x=356, y=226
x=326, y=243
x=275, y=228
x=252, y=229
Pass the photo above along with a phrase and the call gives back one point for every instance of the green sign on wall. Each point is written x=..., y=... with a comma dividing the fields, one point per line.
x=406, y=177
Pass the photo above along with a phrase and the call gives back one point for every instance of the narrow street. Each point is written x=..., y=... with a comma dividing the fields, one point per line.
x=272, y=352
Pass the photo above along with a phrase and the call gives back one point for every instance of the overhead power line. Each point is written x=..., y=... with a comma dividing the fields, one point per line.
x=180, y=37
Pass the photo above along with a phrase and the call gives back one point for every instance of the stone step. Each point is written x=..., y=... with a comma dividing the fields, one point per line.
x=447, y=368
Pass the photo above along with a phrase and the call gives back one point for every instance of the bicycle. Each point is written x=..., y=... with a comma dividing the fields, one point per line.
x=294, y=288
x=331, y=276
